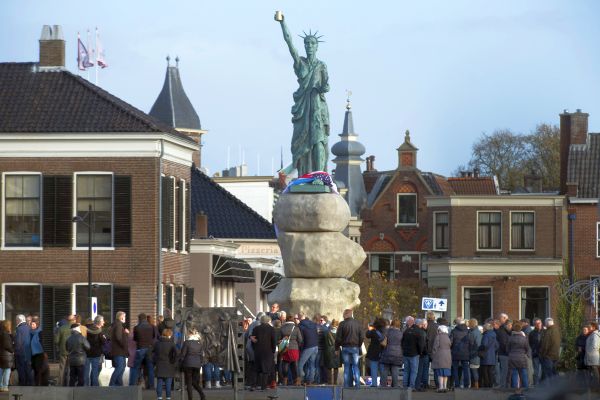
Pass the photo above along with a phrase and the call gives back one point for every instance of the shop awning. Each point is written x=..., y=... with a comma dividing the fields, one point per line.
x=232, y=269
x=269, y=281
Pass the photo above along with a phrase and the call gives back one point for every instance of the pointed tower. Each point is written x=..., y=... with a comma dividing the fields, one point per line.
x=407, y=153
x=173, y=108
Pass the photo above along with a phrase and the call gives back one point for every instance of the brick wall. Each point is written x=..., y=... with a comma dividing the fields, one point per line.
x=134, y=266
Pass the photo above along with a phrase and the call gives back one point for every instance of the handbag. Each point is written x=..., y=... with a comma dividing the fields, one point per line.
x=383, y=342
x=284, y=343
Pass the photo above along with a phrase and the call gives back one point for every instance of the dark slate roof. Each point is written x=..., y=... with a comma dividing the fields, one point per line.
x=228, y=217
x=173, y=106
x=33, y=101
x=433, y=183
x=584, y=167
x=482, y=185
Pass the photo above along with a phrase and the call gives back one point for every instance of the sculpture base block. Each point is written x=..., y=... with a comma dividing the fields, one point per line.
x=327, y=296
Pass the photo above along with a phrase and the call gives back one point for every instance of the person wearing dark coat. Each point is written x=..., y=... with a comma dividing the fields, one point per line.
x=39, y=359
x=535, y=339
x=487, y=356
x=331, y=355
x=502, y=336
x=391, y=357
x=264, y=344
x=376, y=337
x=580, y=343
x=7, y=354
x=23, y=352
x=518, y=356
x=192, y=360
x=119, y=340
x=349, y=337
x=144, y=338
x=461, y=354
x=165, y=356
x=413, y=344
x=77, y=346
x=94, y=354
x=310, y=350
x=432, y=331
x=549, y=349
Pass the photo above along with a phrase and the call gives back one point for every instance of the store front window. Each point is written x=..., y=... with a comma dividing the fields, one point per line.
x=477, y=303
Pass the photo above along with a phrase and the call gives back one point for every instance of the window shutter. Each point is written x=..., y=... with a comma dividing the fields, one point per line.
x=179, y=239
x=56, y=304
x=122, y=207
x=188, y=217
x=121, y=302
x=57, y=210
x=169, y=299
x=171, y=213
x=164, y=223
x=189, y=297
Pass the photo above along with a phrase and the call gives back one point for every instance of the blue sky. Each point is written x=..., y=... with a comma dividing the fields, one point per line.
x=446, y=70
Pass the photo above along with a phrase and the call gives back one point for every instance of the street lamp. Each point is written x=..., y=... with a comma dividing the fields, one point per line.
x=80, y=219
x=388, y=313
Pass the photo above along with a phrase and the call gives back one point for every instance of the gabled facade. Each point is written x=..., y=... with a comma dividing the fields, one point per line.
x=70, y=149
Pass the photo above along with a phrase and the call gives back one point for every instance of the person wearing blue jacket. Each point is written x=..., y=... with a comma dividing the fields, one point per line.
x=310, y=349
x=23, y=351
x=487, y=355
x=37, y=354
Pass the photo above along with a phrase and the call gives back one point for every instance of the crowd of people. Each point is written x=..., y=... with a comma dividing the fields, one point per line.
x=286, y=349
x=298, y=350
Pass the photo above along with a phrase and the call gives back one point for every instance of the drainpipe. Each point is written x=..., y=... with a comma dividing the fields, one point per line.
x=159, y=302
x=572, y=218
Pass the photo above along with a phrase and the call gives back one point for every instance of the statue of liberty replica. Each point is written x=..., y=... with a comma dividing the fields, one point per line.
x=310, y=115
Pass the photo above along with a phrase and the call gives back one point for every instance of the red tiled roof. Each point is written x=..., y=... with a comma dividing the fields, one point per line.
x=483, y=185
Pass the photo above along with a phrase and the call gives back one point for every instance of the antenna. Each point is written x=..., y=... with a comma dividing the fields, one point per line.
x=281, y=159
x=228, y=151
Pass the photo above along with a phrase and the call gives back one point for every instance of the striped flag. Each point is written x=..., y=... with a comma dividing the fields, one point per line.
x=100, y=56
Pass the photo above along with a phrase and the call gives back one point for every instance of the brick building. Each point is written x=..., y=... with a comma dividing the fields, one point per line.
x=496, y=253
x=69, y=148
x=580, y=181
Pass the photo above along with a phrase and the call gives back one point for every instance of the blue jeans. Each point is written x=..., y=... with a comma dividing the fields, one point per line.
x=116, y=379
x=374, y=367
x=318, y=377
x=4, y=377
x=519, y=373
x=350, y=360
x=456, y=364
x=537, y=370
x=142, y=356
x=92, y=366
x=159, y=384
x=423, y=372
x=548, y=368
x=25, y=371
x=308, y=357
x=502, y=371
x=395, y=372
x=411, y=368
x=211, y=372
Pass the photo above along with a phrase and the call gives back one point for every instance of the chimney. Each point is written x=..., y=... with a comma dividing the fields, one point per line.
x=476, y=172
x=201, y=226
x=573, y=130
x=533, y=182
x=371, y=164
x=52, y=47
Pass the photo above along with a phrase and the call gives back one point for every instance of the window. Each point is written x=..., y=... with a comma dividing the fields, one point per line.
x=522, y=231
x=382, y=264
x=167, y=213
x=534, y=303
x=477, y=303
x=22, y=227
x=489, y=232
x=21, y=299
x=407, y=208
x=94, y=191
x=104, y=294
x=441, y=230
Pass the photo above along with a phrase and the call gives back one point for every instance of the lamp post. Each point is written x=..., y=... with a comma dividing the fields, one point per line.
x=388, y=313
x=76, y=219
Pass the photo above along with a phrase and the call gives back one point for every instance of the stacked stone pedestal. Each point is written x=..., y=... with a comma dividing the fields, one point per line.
x=317, y=257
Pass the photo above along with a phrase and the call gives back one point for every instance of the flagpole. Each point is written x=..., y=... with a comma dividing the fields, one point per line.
x=88, y=46
x=96, y=46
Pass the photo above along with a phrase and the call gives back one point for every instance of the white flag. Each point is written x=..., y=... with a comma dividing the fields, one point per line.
x=100, y=56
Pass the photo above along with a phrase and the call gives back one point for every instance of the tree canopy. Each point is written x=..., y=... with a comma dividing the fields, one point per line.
x=511, y=156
